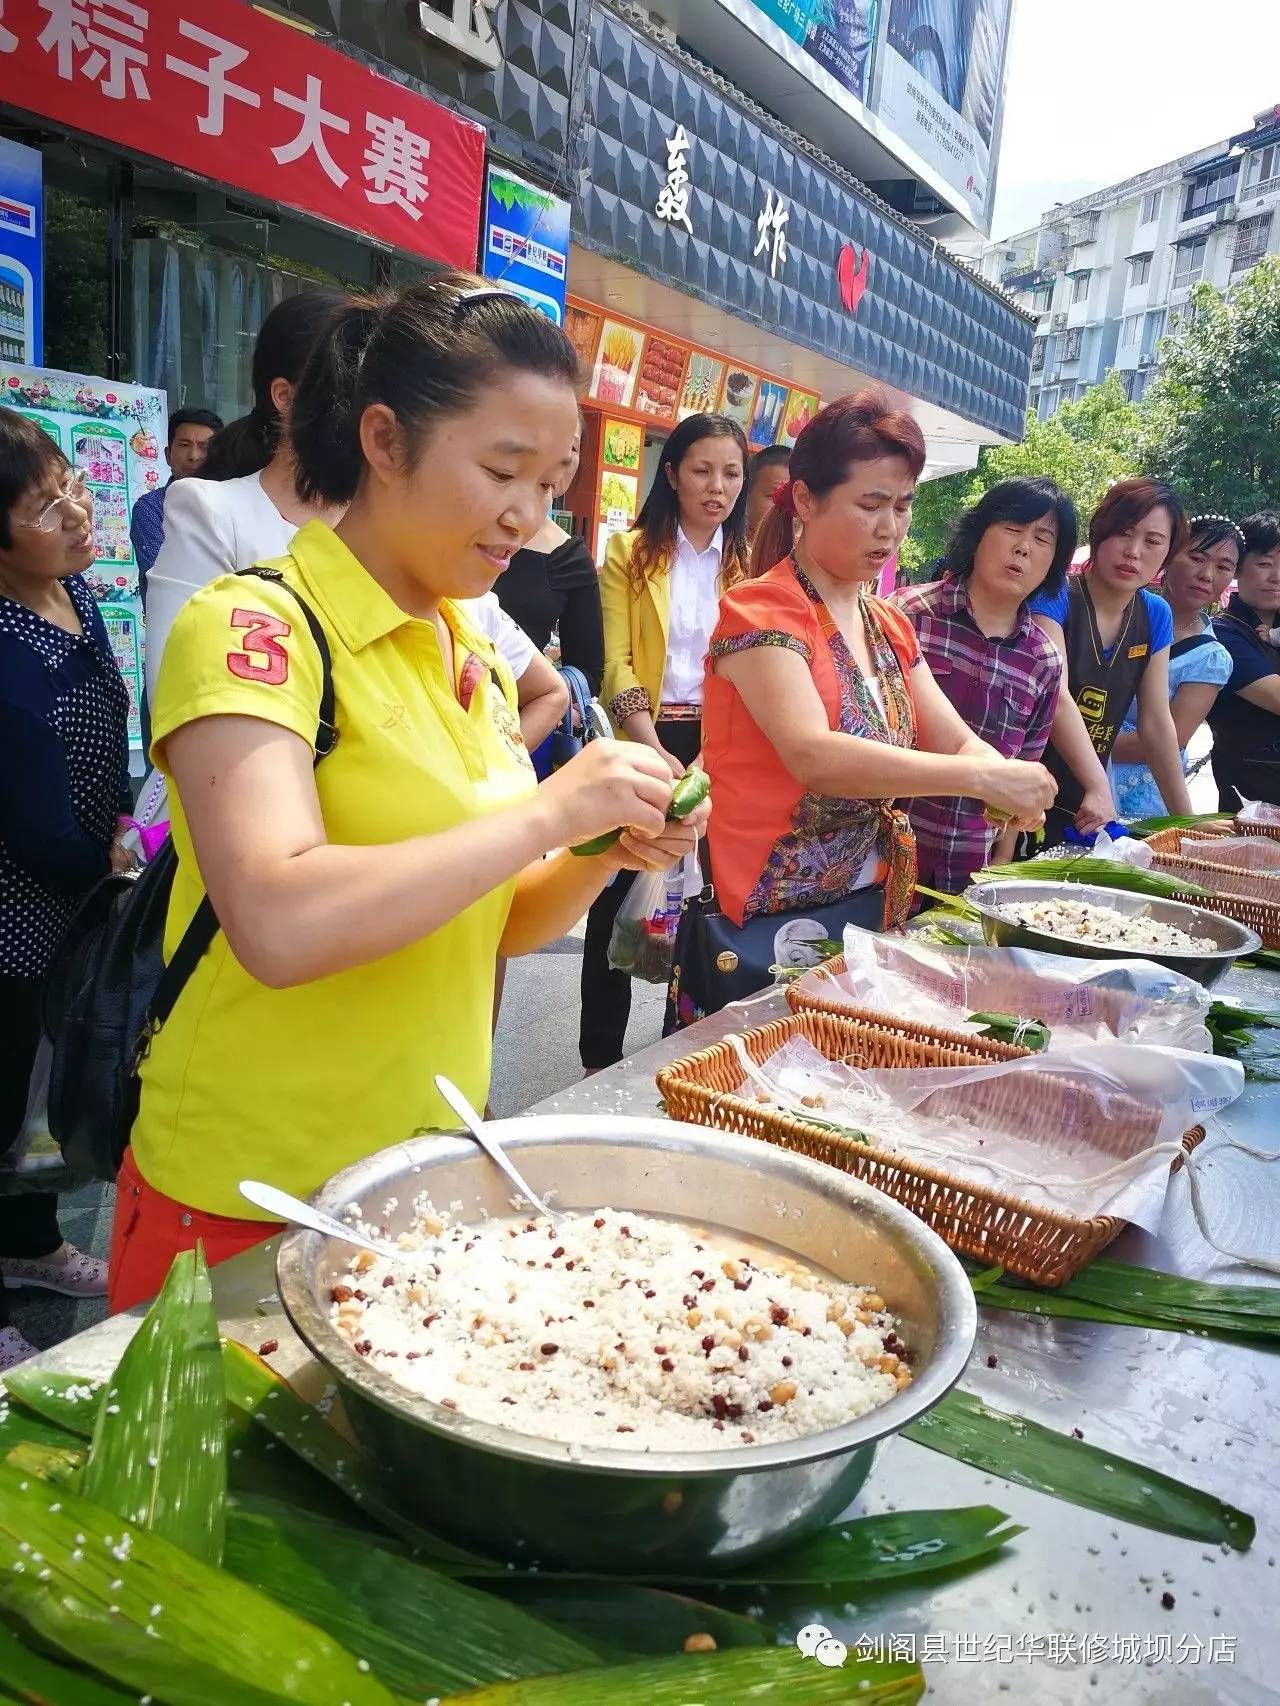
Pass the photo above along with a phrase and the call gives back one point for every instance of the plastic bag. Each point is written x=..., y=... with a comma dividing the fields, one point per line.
x=1134, y=1000
x=1125, y=849
x=1241, y=852
x=1089, y=1128
x=644, y=932
x=1257, y=811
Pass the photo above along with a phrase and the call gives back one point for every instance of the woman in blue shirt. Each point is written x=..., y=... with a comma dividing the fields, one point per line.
x=63, y=733
x=1114, y=635
x=1199, y=665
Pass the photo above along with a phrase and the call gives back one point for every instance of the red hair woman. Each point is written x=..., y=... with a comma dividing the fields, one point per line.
x=819, y=711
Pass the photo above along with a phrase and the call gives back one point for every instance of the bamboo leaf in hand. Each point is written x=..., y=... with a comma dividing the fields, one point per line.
x=159, y=1452
x=1031, y=1455
x=714, y=1679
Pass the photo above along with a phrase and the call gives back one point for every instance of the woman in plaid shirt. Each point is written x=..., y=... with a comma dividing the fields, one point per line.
x=1000, y=672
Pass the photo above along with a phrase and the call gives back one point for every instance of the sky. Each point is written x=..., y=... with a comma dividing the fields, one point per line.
x=1098, y=90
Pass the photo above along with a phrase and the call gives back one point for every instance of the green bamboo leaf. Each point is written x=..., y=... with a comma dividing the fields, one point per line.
x=1144, y=826
x=423, y=1633
x=713, y=1679
x=154, y=1617
x=1031, y=1455
x=21, y=1426
x=618, y=1617
x=1266, y=958
x=1121, y=1294
x=57, y=1464
x=256, y=1391
x=1102, y=873
x=68, y=1401
x=159, y=1452
x=33, y=1677
x=869, y=1549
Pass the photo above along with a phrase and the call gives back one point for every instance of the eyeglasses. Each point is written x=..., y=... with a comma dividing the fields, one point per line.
x=49, y=519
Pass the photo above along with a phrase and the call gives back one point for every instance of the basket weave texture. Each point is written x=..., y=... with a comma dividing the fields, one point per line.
x=994, y=1227
x=1249, y=897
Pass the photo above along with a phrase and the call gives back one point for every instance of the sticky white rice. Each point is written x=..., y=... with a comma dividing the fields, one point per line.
x=620, y=1330
x=1078, y=921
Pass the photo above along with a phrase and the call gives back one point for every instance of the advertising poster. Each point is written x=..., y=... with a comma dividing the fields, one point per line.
x=702, y=385
x=115, y=433
x=938, y=87
x=661, y=376
x=526, y=241
x=739, y=395
x=615, y=371
x=801, y=407
x=835, y=34
x=21, y=253
x=766, y=423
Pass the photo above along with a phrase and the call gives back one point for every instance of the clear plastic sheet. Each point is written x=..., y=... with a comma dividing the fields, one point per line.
x=1091, y=1129
x=1077, y=999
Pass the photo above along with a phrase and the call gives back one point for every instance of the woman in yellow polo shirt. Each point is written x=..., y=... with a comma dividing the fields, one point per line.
x=363, y=901
x=660, y=594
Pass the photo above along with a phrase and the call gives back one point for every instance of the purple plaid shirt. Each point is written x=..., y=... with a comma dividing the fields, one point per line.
x=1006, y=690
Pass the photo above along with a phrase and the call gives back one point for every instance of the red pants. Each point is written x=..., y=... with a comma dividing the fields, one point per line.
x=150, y=1229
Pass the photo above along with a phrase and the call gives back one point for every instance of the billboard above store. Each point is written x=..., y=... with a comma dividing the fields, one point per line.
x=939, y=86
x=224, y=91
x=833, y=35
x=526, y=241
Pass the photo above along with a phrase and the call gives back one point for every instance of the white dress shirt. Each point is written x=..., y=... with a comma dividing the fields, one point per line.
x=695, y=605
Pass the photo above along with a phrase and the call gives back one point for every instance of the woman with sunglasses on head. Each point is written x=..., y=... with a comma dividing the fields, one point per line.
x=365, y=892
x=660, y=589
x=1199, y=665
x=63, y=729
x=1113, y=635
x=820, y=710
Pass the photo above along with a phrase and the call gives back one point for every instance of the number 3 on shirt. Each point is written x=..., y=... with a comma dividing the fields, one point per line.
x=261, y=641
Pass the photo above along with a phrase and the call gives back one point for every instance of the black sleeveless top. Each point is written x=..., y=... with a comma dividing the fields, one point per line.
x=1102, y=683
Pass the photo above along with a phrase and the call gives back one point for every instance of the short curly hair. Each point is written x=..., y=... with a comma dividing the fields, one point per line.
x=1020, y=501
x=26, y=454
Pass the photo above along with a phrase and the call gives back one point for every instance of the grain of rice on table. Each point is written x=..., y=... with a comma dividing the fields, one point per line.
x=620, y=1330
x=1081, y=922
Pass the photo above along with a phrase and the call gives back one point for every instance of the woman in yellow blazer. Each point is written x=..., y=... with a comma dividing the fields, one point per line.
x=660, y=592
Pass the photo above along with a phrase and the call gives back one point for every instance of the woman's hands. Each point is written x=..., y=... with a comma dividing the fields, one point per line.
x=1023, y=791
x=609, y=783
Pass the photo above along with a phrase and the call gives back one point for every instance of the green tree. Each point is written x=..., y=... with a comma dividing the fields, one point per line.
x=1085, y=447
x=1211, y=420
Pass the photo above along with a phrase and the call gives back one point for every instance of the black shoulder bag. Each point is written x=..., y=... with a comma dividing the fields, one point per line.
x=109, y=990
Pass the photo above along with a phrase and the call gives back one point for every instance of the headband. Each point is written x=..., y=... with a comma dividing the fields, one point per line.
x=1198, y=520
x=482, y=293
x=784, y=498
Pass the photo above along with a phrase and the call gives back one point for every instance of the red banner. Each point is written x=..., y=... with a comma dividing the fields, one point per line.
x=229, y=93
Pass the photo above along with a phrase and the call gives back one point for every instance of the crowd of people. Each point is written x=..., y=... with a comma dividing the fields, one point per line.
x=398, y=470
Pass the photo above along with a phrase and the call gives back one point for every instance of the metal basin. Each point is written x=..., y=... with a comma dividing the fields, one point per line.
x=1232, y=940
x=519, y=1496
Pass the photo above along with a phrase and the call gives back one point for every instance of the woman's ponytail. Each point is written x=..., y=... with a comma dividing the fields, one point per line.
x=244, y=446
x=325, y=423
x=776, y=535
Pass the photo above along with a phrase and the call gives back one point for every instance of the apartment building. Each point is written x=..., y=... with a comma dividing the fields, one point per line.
x=1109, y=275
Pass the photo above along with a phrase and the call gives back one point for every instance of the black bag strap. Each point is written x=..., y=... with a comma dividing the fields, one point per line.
x=203, y=927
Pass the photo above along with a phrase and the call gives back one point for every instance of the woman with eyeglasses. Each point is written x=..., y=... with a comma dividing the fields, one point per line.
x=63, y=731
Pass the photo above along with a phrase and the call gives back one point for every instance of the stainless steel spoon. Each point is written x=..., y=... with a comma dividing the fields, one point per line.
x=493, y=1149
x=293, y=1209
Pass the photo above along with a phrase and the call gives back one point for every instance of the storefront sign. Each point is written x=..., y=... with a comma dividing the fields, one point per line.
x=526, y=241
x=939, y=89
x=853, y=274
x=115, y=433
x=21, y=253
x=466, y=27
x=771, y=232
x=673, y=198
x=231, y=94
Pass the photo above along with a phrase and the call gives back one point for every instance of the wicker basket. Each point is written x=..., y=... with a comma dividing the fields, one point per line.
x=1249, y=897
x=805, y=996
x=1245, y=827
x=1039, y=1244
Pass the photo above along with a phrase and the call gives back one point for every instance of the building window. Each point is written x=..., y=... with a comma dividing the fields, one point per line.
x=1037, y=355
x=1252, y=236
x=1049, y=403
x=1033, y=401
x=1152, y=331
x=1079, y=287
x=1211, y=189
x=1189, y=263
x=1262, y=170
x=1044, y=298
x=1139, y=270
x=1150, y=209
x=1071, y=344
x=1129, y=330
x=1128, y=380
